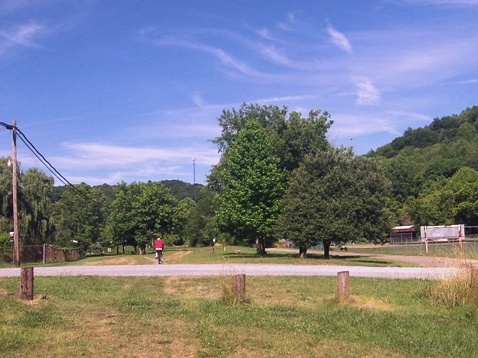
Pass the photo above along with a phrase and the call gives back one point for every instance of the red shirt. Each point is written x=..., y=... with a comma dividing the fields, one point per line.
x=158, y=244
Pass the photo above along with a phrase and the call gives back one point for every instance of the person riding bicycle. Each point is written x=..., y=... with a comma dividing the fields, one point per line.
x=158, y=247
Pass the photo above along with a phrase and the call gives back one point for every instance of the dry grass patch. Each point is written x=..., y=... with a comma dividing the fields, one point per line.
x=370, y=303
x=117, y=260
x=177, y=256
x=97, y=331
x=193, y=287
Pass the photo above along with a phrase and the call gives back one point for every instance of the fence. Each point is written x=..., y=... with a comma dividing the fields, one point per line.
x=469, y=248
x=40, y=253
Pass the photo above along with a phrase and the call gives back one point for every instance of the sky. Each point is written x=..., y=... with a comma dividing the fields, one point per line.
x=130, y=91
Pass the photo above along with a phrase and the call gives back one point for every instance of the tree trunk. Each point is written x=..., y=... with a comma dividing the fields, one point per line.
x=302, y=252
x=261, y=247
x=326, y=249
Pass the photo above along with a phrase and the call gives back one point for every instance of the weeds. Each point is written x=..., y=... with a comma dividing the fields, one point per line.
x=458, y=290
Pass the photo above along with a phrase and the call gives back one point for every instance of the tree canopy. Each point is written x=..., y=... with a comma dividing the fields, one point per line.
x=253, y=185
x=337, y=197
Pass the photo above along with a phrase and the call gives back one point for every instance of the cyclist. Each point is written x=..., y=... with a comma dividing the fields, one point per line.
x=158, y=248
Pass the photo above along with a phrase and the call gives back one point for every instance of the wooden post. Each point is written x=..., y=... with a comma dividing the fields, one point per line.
x=26, y=286
x=343, y=289
x=474, y=278
x=239, y=286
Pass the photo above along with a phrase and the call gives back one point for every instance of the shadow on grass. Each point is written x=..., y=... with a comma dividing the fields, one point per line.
x=289, y=255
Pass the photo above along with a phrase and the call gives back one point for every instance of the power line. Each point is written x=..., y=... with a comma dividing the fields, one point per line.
x=44, y=161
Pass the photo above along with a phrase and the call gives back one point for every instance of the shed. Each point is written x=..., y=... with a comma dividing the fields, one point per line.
x=404, y=234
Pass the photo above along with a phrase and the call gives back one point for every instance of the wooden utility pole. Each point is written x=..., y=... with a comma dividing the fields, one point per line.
x=16, y=241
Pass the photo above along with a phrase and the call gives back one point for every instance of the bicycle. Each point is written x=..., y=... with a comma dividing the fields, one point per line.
x=159, y=256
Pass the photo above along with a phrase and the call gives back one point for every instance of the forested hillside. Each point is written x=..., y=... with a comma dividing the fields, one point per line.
x=178, y=188
x=423, y=162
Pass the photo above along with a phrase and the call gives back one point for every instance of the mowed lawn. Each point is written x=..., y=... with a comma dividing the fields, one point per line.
x=189, y=317
x=233, y=254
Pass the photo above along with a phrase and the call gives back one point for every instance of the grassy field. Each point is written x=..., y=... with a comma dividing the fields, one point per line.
x=234, y=254
x=231, y=254
x=188, y=317
x=468, y=249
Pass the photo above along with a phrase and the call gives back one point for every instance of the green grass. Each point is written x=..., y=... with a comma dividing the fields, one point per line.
x=470, y=249
x=245, y=255
x=231, y=254
x=186, y=317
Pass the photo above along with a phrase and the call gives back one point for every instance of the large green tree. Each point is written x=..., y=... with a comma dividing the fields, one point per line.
x=79, y=216
x=338, y=197
x=201, y=228
x=35, y=192
x=143, y=211
x=292, y=136
x=253, y=185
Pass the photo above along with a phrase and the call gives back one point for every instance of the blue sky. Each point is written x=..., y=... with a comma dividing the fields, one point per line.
x=112, y=91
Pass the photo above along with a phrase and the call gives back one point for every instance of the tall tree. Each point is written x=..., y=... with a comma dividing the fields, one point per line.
x=141, y=212
x=292, y=136
x=335, y=196
x=253, y=185
x=200, y=226
x=35, y=192
x=79, y=216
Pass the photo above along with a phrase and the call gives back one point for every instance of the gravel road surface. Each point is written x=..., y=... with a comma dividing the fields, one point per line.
x=232, y=269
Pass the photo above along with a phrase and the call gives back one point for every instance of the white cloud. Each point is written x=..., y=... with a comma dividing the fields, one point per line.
x=410, y=115
x=339, y=39
x=290, y=19
x=87, y=155
x=265, y=34
x=349, y=125
x=367, y=93
x=23, y=35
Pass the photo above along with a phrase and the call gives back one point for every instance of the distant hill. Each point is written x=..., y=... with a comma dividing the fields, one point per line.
x=179, y=190
x=435, y=151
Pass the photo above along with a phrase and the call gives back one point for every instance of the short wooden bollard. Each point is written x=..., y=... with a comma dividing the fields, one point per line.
x=239, y=286
x=474, y=278
x=26, y=285
x=343, y=288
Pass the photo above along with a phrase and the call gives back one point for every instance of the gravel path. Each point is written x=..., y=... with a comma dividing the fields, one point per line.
x=232, y=269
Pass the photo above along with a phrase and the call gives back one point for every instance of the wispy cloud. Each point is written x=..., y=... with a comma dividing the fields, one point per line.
x=350, y=126
x=223, y=56
x=264, y=33
x=410, y=115
x=367, y=93
x=100, y=155
x=284, y=99
x=270, y=53
x=339, y=39
x=23, y=35
x=286, y=25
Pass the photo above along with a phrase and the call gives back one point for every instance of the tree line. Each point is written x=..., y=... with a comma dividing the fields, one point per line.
x=278, y=178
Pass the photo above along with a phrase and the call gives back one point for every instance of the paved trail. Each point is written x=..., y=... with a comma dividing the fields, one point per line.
x=231, y=269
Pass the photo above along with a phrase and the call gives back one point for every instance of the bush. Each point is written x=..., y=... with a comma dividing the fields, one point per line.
x=5, y=239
